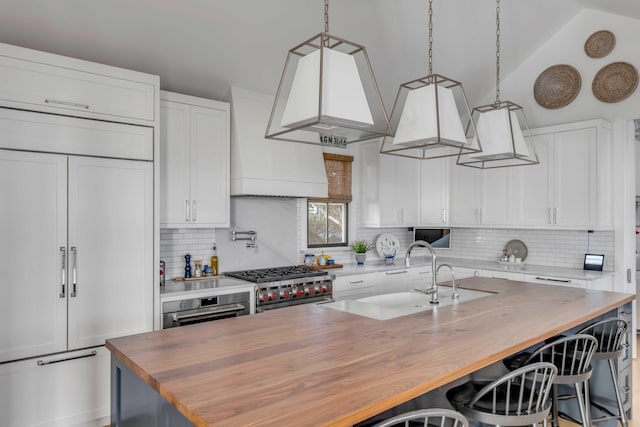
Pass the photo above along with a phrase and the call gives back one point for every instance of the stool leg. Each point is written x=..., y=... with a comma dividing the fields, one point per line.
x=623, y=416
x=554, y=406
x=581, y=406
x=587, y=402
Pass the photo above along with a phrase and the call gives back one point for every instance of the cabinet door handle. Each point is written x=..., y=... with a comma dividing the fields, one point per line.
x=187, y=213
x=444, y=216
x=391, y=273
x=355, y=281
x=69, y=104
x=74, y=275
x=401, y=215
x=424, y=272
x=550, y=216
x=555, y=215
x=63, y=281
x=82, y=356
x=194, y=210
x=553, y=280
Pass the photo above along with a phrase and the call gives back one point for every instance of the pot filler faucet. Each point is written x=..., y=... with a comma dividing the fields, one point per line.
x=433, y=291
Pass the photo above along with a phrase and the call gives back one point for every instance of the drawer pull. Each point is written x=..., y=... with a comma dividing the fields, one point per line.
x=356, y=281
x=553, y=280
x=391, y=273
x=70, y=104
x=82, y=356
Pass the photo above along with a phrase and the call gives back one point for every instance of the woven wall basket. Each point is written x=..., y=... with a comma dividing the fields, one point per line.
x=557, y=86
x=600, y=44
x=615, y=82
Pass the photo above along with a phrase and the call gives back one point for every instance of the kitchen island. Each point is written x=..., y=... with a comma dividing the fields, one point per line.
x=310, y=365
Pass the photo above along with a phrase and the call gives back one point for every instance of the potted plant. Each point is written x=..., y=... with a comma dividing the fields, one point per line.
x=360, y=247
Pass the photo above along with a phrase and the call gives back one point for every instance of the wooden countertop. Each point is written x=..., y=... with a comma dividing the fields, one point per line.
x=311, y=366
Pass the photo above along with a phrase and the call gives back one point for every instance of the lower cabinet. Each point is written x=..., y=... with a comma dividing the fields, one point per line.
x=63, y=390
x=557, y=281
x=393, y=281
x=355, y=286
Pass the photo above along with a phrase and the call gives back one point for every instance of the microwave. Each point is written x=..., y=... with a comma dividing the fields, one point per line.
x=439, y=238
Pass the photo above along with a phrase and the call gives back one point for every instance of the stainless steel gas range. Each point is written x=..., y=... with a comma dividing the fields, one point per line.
x=285, y=286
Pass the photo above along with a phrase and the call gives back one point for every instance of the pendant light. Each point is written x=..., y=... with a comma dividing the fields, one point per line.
x=427, y=116
x=502, y=128
x=327, y=94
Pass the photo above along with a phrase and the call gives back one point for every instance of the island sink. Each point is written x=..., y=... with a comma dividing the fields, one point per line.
x=390, y=306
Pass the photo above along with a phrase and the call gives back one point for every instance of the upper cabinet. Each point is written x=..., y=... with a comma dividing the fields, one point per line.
x=390, y=188
x=194, y=162
x=40, y=81
x=434, y=192
x=480, y=197
x=570, y=188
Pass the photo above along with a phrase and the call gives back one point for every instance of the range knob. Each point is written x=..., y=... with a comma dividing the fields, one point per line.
x=319, y=290
x=263, y=296
x=273, y=295
x=310, y=291
x=284, y=294
x=298, y=292
x=327, y=287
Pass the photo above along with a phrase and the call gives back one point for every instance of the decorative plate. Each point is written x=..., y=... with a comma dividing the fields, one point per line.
x=517, y=248
x=557, y=86
x=387, y=244
x=600, y=44
x=615, y=82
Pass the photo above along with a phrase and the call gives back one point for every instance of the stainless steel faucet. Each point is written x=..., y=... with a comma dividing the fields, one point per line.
x=433, y=291
x=454, y=290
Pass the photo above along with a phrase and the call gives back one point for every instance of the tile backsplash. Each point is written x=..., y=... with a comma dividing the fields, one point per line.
x=277, y=223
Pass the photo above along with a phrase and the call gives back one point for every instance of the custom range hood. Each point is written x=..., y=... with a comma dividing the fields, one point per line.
x=267, y=167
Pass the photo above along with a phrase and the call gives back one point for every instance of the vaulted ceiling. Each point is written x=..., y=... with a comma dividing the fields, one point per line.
x=201, y=47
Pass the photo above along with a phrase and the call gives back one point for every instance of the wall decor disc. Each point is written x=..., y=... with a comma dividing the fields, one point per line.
x=615, y=82
x=600, y=44
x=557, y=86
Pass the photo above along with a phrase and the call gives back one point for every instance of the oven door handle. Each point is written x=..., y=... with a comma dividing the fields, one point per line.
x=209, y=313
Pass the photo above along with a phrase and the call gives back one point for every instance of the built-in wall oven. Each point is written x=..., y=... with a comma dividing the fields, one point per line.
x=205, y=309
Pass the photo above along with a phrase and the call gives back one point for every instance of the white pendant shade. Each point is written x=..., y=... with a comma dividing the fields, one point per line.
x=343, y=96
x=419, y=124
x=495, y=131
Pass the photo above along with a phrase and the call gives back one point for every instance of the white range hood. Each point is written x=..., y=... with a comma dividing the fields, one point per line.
x=265, y=167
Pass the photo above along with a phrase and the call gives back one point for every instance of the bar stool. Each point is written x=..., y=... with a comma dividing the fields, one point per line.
x=572, y=356
x=611, y=334
x=520, y=397
x=441, y=417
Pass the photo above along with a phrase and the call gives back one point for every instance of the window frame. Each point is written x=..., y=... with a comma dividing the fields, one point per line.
x=346, y=227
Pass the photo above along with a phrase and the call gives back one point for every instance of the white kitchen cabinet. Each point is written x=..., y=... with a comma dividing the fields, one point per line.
x=434, y=192
x=498, y=274
x=76, y=256
x=481, y=196
x=355, y=286
x=393, y=281
x=601, y=284
x=194, y=162
x=390, y=188
x=420, y=277
x=554, y=280
x=571, y=187
x=33, y=80
x=53, y=393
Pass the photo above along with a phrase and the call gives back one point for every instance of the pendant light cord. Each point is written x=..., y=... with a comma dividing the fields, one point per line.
x=497, y=52
x=326, y=16
x=430, y=37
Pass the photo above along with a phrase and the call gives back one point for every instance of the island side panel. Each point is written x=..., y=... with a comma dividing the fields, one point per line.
x=135, y=404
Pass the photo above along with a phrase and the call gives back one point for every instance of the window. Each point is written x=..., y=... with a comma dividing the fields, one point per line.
x=327, y=219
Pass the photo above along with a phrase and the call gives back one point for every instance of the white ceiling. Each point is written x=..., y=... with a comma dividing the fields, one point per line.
x=201, y=47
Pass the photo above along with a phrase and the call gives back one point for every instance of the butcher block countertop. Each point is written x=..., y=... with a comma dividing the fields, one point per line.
x=309, y=365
